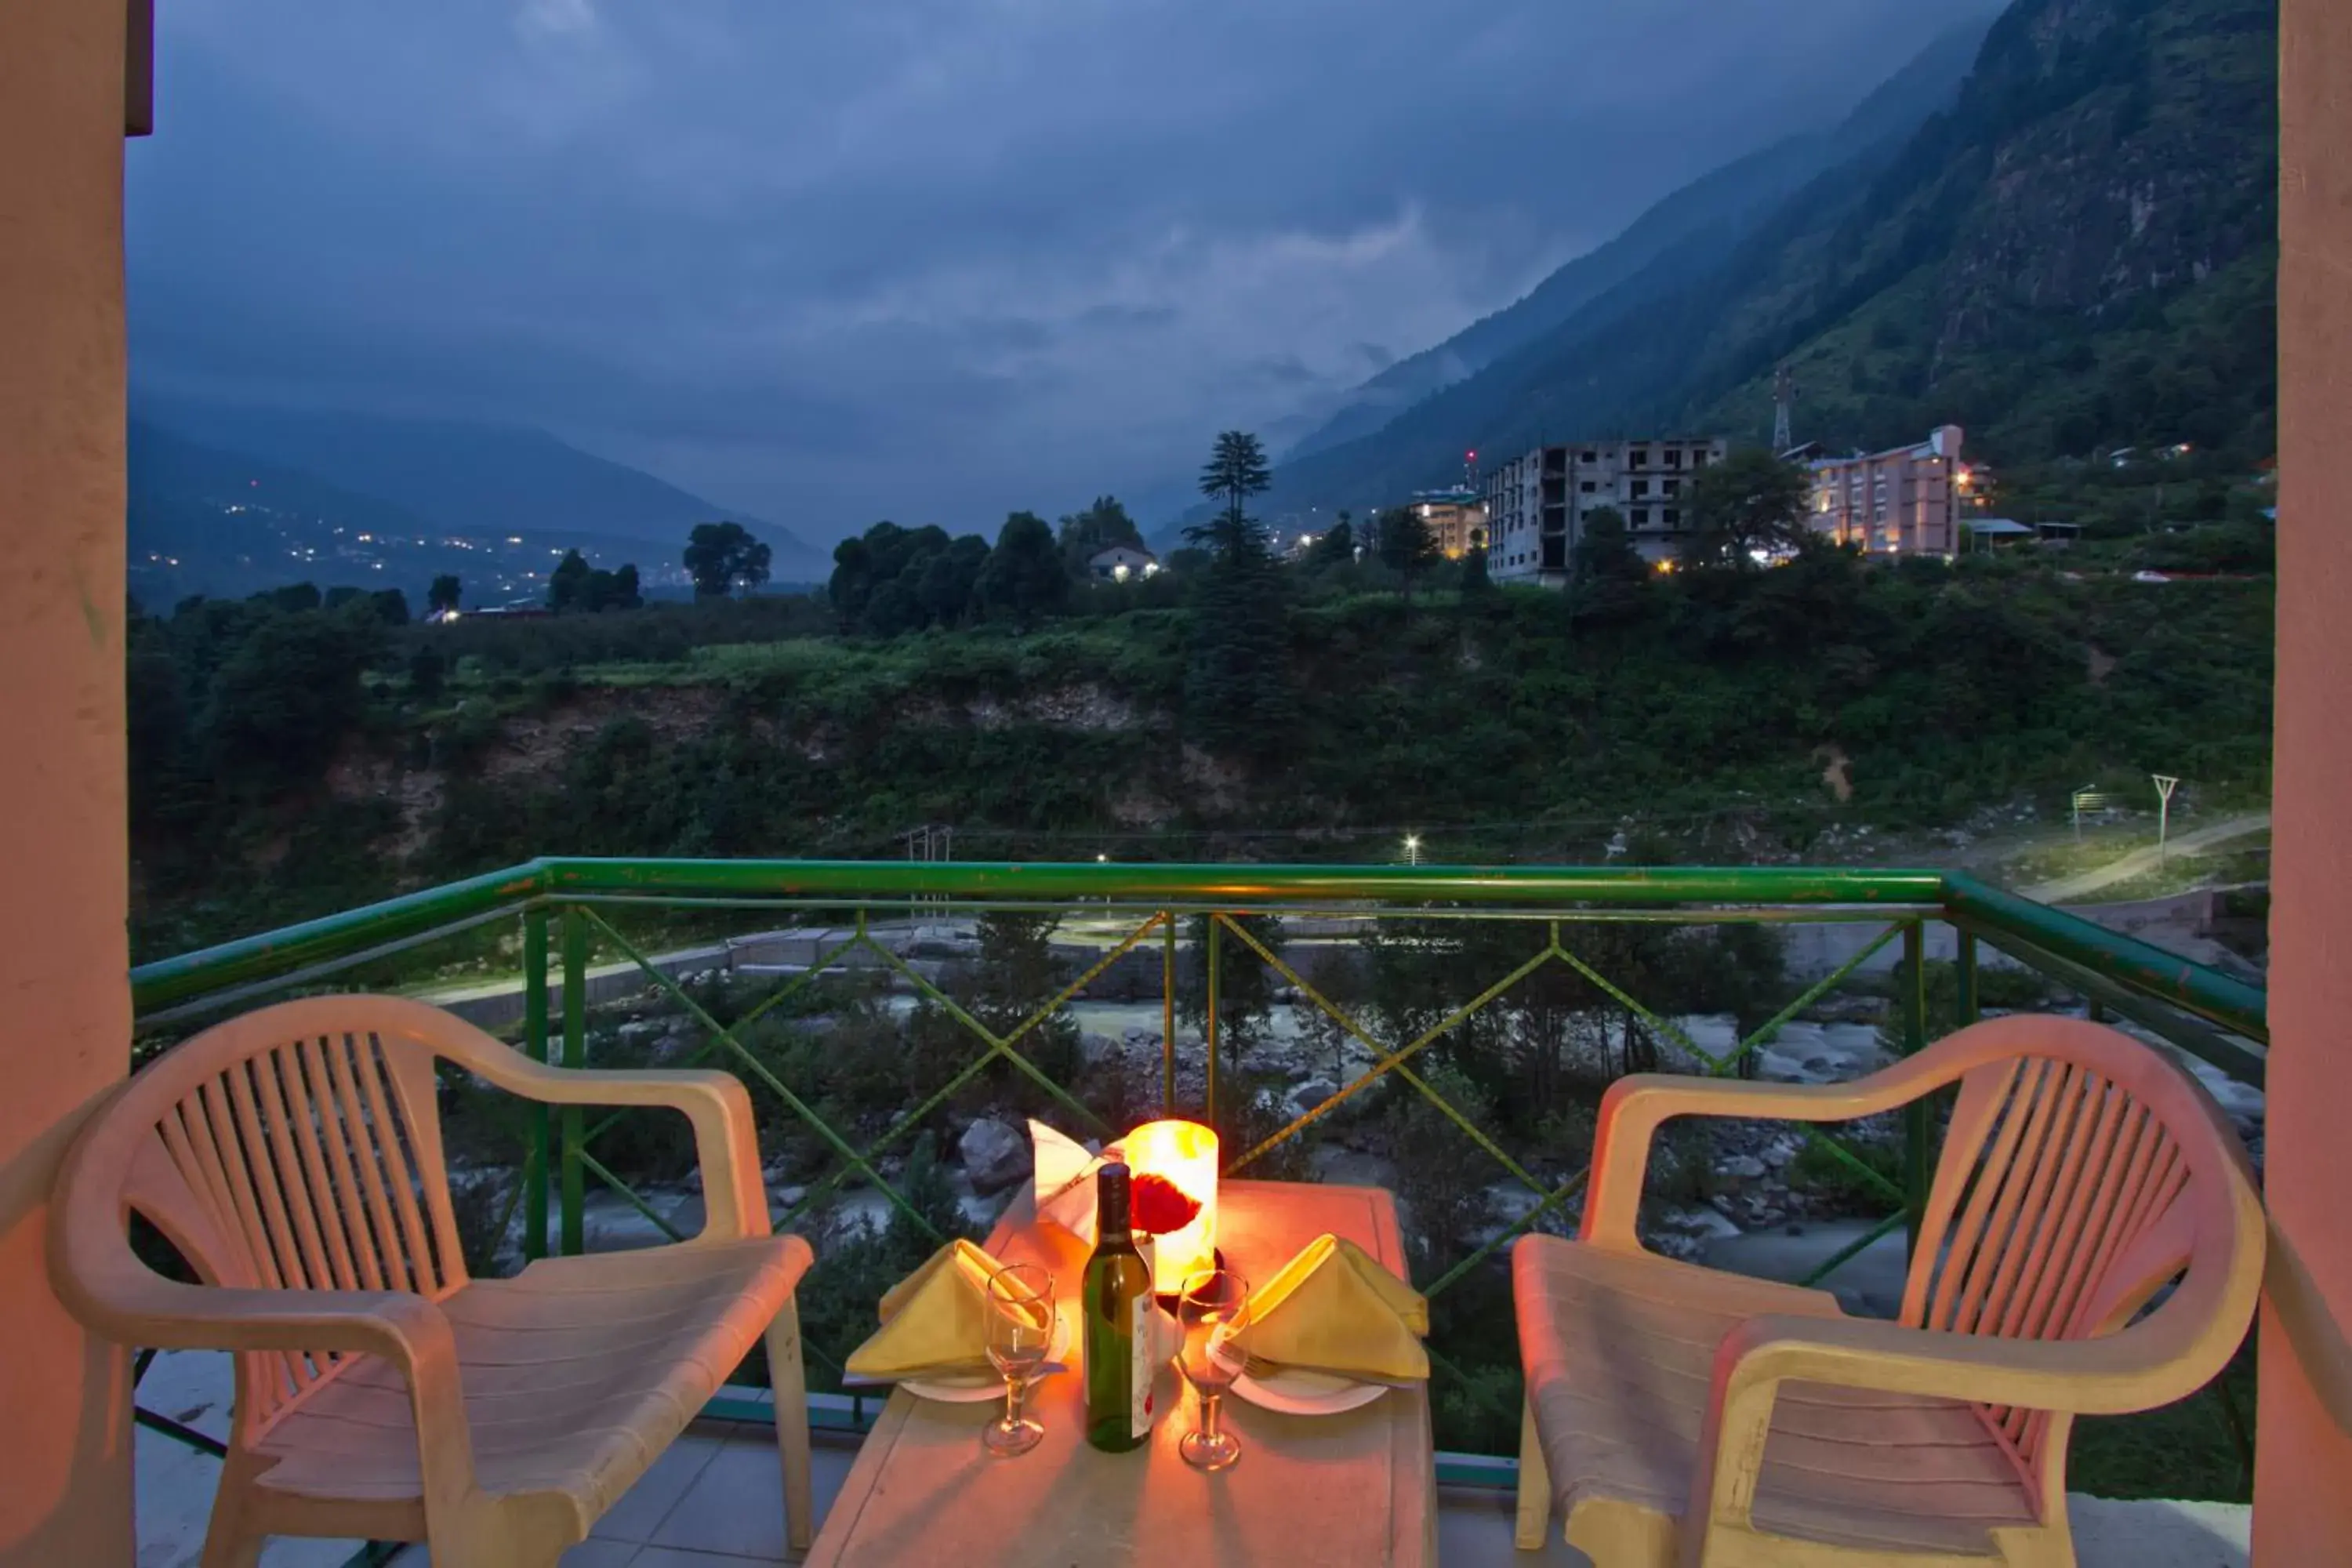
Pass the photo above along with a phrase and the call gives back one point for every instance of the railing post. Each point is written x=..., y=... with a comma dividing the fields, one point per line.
x=1209, y=1094
x=1914, y=1003
x=1968, y=1008
x=1168, y=1016
x=536, y=1125
x=576, y=1054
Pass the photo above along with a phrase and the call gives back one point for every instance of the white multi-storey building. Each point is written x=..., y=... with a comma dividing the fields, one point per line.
x=1536, y=507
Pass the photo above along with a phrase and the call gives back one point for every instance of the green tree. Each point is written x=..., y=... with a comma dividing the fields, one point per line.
x=443, y=594
x=1237, y=693
x=721, y=556
x=1237, y=471
x=1607, y=577
x=851, y=584
x=1406, y=547
x=385, y=606
x=894, y=579
x=282, y=703
x=948, y=588
x=1245, y=983
x=1750, y=502
x=1336, y=548
x=575, y=585
x=1477, y=586
x=425, y=670
x=567, y=585
x=1016, y=975
x=1022, y=579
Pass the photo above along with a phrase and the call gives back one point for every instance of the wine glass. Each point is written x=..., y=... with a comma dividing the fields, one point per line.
x=1213, y=1305
x=1020, y=1331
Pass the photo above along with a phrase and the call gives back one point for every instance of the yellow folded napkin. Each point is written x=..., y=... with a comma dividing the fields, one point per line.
x=1333, y=1308
x=934, y=1321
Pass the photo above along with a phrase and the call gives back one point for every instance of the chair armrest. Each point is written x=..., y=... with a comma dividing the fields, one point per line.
x=726, y=1140
x=1634, y=1106
x=106, y=1286
x=2164, y=1357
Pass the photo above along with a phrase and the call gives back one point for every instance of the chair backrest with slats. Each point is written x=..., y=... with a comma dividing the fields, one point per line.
x=282, y=1161
x=2079, y=1176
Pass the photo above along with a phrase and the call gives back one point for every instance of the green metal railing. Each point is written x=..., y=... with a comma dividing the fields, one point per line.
x=570, y=910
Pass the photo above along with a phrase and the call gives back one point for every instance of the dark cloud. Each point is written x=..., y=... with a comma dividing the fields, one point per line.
x=1288, y=370
x=928, y=259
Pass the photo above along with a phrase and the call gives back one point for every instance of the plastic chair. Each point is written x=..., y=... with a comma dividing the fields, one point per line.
x=1678, y=1415
x=294, y=1157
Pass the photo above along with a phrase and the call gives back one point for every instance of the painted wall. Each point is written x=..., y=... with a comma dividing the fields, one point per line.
x=65, y=1006
x=2303, y=1489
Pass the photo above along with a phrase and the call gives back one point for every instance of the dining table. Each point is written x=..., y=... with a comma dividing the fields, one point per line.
x=1353, y=1489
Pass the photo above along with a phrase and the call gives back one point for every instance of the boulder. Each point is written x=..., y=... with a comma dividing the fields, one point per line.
x=1740, y=1168
x=1305, y=1097
x=994, y=1155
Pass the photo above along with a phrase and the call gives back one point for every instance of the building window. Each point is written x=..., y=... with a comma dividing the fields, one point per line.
x=1641, y=457
x=1589, y=487
x=1674, y=459
x=1640, y=487
x=1589, y=458
x=1641, y=517
x=1674, y=518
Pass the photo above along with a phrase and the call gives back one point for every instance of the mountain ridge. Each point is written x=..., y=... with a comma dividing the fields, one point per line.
x=457, y=473
x=1712, y=210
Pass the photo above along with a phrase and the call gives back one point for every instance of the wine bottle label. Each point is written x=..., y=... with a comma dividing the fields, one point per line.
x=1140, y=1368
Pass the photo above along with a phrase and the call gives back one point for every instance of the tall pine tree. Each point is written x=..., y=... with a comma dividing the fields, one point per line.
x=1237, y=693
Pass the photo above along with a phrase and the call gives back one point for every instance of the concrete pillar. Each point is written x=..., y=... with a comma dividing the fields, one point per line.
x=65, y=1432
x=2303, y=1486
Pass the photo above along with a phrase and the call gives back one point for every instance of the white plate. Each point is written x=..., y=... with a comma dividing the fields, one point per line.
x=979, y=1388
x=1297, y=1393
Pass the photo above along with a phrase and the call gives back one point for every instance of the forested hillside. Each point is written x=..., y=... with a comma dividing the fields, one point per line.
x=290, y=760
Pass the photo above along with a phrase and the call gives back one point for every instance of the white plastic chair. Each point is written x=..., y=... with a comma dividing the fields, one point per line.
x=1676, y=1415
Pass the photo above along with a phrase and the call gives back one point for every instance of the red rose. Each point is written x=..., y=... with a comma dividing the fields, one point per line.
x=1157, y=1207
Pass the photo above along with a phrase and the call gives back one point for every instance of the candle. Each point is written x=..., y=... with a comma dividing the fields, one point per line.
x=1175, y=1185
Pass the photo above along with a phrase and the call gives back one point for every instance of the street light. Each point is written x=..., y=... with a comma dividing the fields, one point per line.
x=1413, y=848
x=2164, y=784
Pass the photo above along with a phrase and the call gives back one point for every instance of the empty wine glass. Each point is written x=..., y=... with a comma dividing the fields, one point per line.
x=1020, y=1333
x=1214, y=1308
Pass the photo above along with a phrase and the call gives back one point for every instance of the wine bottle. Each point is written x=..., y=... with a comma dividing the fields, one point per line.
x=1118, y=1305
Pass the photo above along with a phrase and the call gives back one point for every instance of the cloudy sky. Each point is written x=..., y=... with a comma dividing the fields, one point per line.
x=924, y=259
